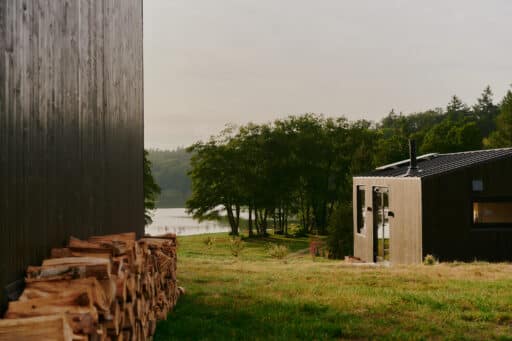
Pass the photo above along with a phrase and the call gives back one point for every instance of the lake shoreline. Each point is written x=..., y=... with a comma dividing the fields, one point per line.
x=178, y=221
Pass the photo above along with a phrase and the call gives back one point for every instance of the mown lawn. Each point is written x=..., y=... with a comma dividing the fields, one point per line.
x=255, y=297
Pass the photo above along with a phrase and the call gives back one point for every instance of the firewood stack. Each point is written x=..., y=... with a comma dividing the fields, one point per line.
x=110, y=287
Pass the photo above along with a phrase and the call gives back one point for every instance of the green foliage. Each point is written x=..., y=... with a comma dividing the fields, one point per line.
x=300, y=168
x=170, y=172
x=151, y=190
x=430, y=260
x=486, y=112
x=341, y=234
x=217, y=180
x=502, y=137
x=452, y=136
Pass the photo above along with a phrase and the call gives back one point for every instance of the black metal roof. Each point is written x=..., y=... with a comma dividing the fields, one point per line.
x=433, y=164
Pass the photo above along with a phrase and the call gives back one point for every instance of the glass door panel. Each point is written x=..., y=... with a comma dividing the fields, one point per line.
x=381, y=223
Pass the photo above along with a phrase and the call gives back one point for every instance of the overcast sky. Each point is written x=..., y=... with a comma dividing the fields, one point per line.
x=210, y=62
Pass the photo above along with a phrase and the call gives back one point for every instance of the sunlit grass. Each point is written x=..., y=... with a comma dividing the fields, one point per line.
x=256, y=297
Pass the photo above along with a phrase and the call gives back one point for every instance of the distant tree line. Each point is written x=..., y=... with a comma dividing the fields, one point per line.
x=302, y=166
x=151, y=189
x=170, y=169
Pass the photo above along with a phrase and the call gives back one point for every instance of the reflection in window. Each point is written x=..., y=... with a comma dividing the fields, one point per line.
x=492, y=213
x=361, y=209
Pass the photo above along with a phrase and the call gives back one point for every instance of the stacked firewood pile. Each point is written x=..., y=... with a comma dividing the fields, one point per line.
x=105, y=288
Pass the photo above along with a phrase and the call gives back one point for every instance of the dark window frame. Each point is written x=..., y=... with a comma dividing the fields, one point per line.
x=361, y=210
x=490, y=226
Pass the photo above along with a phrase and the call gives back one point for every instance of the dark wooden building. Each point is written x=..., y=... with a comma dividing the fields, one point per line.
x=455, y=206
x=71, y=125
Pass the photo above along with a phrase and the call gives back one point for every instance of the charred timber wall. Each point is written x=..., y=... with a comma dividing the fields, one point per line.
x=71, y=125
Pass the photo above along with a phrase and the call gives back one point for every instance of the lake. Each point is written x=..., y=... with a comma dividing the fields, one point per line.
x=176, y=220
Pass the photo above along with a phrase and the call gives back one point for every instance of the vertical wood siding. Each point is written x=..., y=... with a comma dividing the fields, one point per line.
x=448, y=231
x=71, y=125
x=405, y=230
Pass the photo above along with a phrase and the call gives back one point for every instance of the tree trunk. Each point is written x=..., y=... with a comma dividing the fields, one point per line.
x=231, y=219
x=309, y=226
x=285, y=217
x=264, y=223
x=257, y=221
x=251, y=233
x=237, y=219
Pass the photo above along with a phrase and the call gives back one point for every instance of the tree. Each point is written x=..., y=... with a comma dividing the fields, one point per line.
x=486, y=112
x=502, y=136
x=456, y=109
x=452, y=136
x=216, y=181
x=151, y=190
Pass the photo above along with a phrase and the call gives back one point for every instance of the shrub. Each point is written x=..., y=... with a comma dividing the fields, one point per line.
x=277, y=251
x=236, y=246
x=314, y=248
x=341, y=234
x=430, y=260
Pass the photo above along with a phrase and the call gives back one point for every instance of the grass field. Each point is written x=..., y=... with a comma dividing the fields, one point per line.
x=256, y=297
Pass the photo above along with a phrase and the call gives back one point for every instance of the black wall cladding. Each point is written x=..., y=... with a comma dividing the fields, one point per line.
x=71, y=125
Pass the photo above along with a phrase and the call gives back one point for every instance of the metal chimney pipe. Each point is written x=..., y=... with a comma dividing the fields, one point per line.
x=413, y=164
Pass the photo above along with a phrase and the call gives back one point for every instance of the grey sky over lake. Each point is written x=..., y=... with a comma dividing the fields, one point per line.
x=210, y=62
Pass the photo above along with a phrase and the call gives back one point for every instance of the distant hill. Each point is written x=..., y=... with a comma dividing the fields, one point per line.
x=170, y=172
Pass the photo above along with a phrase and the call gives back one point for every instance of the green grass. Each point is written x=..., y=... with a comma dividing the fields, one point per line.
x=256, y=297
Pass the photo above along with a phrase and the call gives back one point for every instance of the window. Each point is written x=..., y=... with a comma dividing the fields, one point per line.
x=477, y=185
x=492, y=213
x=361, y=209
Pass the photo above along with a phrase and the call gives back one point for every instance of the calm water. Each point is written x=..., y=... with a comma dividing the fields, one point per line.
x=176, y=220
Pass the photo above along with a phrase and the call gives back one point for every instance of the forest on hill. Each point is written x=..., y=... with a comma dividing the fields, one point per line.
x=169, y=168
x=301, y=166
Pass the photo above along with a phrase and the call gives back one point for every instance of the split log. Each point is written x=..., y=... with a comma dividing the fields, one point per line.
x=93, y=250
x=129, y=285
x=120, y=288
x=60, y=252
x=45, y=328
x=113, y=326
x=127, y=335
x=109, y=288
x=129, y=316
x=52, y=288
x=125, y=237
x=76, y=305
x=92, y=266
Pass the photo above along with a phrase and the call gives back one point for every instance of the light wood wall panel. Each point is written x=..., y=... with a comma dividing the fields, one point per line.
x=405, y=231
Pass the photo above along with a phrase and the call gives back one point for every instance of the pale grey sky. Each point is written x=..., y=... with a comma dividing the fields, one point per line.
x=210, y=62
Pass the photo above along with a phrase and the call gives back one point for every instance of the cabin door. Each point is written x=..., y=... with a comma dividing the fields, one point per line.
x=381, y=232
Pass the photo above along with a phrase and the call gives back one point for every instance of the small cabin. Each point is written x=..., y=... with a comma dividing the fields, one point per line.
x=455, y=206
